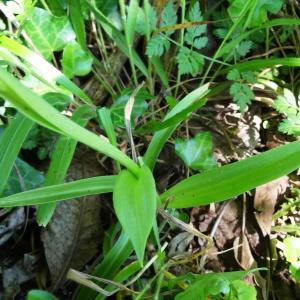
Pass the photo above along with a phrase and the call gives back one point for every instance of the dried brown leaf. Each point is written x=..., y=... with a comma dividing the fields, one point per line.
x=265, y=200
x=242, y=252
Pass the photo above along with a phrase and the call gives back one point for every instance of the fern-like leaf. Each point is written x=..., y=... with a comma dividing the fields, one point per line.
x=242, y=95
x=189, y=61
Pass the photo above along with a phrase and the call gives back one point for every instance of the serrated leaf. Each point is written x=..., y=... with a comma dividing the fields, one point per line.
x=193, y=34
x=244, y=47
x=233, y=75
x=141, y=26
x=197, y=152
x=290, y=126
x=23, y=177
x=249, y=76
x=157, y=45
x=75, y=61
x=242, y=95
x=189, y=61
x=240, y=290
x=47, y=32
x=139, y=107
x=169, y=16
x=135, y=205
x=286, y=104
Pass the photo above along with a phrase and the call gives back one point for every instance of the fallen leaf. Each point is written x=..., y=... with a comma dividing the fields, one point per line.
x=265, y=200
x=242, y=252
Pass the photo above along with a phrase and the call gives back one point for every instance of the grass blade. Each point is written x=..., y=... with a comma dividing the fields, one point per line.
x=234, y=179
x=60, y=162
x=79, y=188
x=37, y=109
x=10, y=145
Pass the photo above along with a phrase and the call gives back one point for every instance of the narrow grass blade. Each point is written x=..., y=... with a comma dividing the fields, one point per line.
x=234, y=179
x=160, y=137
x=78, y=22
x=109, y=266
x=60, y=162
x=48, y=71
x=59, y=192
x=33, y=106
x=10, y=145
x=257, y=64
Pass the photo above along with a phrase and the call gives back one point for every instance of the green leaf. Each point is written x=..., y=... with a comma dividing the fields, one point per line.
x=290, y=126
x=139, y=107
x=141, y=26
x=240, y=290
x=40, y=295
x=169, y=16
x=157, y=45
x=287, y=104
x=23, y=177
x=260, y=12
x=59, y=192
x=189, y=61
x=212, y=284
x=243, y=48
x=233, y=75
x=197, y=152
x=291, y=249
x=249, y=76
x=47, y=32
x=193, y=34
x=75, y=61
x=135, y=205
x=242, y=95
x=37, y=109
x=234, y=179
x=10, y=144
x=294, y=269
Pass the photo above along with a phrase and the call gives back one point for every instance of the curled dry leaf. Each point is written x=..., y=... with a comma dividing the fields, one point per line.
x=242, y=252
x=265, y=200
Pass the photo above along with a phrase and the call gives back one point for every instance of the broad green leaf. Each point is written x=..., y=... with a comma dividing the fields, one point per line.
x=294, y=269
x=130, y=23
x=291, y=249
x=197, y=152
x=47, y=32
x=234, y=179
x=75, y=61
x=59, y=192
x=60, y=162
x=189, y=61
x=161, y=137
x=37, y=109
x=242, y=94
x=135, y=205
x=10, y=144
x=23, y=177
x=40, y=295
x=240, y=290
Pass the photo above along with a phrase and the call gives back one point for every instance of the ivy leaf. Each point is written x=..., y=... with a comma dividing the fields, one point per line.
x=141, y=26
x=157, y=45
x=197, y=152
x=75, y=61
x=135, y=205
x=47, y=32
x=23, y=177
x=189, y=61
x=169, y=17
x=242, y=95
x=139, y=107
x=193, y=35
